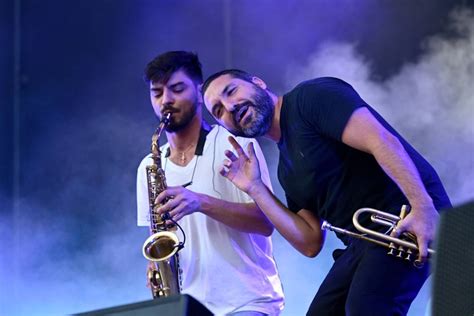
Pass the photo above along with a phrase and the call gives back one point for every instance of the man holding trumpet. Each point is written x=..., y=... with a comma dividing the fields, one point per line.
x=337, y=154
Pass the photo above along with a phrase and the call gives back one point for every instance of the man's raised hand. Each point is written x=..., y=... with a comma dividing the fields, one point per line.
x=242, y=170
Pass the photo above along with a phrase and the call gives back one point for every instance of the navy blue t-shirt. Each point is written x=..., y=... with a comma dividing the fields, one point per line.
x=321, y=174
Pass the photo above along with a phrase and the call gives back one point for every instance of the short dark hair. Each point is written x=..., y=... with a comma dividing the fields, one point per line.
x=235, y=73
x=163, y=66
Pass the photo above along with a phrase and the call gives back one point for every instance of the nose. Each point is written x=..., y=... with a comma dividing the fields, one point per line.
x=229, y=106
x=167, y=98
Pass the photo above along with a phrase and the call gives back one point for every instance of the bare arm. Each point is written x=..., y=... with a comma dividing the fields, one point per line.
x=245, y=217
x=365, y=133
x=302, y=230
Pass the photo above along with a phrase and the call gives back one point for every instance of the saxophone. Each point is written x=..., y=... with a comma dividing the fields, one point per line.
x=161, y=247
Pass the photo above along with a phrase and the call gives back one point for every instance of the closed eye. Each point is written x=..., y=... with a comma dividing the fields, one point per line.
x=231, y=91
x=177, y=88
x=217, y=110
x=157, y=93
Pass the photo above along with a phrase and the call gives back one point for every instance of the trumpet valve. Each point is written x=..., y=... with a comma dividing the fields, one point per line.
x=391, y=249
x=401, y=251
x=409, y=253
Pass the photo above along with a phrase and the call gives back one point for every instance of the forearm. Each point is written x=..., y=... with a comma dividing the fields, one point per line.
x=304, y=235
x=364, y=132
x=245, y=217
x=301, y=230
x=397, y=164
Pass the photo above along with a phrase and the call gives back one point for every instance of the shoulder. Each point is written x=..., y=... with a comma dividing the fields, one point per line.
x=221, y=136
x=322, y=93
x=147, y=159
x=321, y=85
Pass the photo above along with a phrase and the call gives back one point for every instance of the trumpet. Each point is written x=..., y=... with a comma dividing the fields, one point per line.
x=404, y=247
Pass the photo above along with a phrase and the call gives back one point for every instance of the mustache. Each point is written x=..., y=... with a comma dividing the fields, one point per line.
x=235, y=112
x=168, y=109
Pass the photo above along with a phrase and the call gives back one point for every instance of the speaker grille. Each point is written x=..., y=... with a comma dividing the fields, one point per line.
x=453, y=290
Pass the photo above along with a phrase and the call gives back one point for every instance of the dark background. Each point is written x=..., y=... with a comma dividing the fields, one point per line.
x=76, y=120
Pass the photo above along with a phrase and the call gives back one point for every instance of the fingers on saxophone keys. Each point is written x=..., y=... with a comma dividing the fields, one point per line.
x=161, y=197
x=158, y=205
x=170, y=205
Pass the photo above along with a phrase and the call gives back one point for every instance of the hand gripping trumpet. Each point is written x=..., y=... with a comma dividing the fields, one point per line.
x=162, y=246
x=403, y=247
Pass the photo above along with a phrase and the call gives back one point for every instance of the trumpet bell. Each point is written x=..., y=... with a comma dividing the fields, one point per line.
x=160, y=246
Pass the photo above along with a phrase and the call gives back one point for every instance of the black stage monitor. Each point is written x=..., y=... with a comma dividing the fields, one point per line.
x=176, y=305
x=453, y=282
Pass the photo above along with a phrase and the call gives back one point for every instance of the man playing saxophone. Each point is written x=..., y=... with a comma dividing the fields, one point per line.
x=227, y=261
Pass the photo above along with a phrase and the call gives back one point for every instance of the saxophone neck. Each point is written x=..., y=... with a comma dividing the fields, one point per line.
x=155, y=147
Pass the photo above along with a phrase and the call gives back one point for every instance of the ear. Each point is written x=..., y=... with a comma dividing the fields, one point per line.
x=259, y=82
x=200, y=96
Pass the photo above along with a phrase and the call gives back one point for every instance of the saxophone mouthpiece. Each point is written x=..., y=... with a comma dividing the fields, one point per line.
x=166, y=118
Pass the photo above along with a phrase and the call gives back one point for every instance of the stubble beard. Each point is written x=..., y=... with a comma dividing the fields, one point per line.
x=176, y=126
x=263, y=114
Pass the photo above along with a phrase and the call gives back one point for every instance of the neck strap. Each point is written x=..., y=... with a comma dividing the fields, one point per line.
x=200, y=145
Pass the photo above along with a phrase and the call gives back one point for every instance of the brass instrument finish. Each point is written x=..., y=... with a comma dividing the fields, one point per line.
x=403, y=247
x=162, y=245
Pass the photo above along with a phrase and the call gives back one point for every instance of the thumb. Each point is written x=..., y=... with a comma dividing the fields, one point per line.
x=422, y=250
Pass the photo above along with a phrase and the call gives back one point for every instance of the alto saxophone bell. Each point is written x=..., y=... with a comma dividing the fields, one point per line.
x=160, y=246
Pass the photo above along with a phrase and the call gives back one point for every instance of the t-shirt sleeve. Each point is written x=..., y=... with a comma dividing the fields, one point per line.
x=292, y=206
x=142, y=194
x=326, y=104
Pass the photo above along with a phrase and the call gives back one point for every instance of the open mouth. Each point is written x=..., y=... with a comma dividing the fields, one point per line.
x=240, y=114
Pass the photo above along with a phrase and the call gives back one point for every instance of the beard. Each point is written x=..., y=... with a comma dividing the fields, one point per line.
x=262, y=118
x=177, y=124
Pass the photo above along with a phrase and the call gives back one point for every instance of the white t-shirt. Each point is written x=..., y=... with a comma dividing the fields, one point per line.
x=223, y=268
